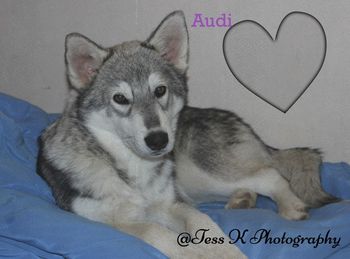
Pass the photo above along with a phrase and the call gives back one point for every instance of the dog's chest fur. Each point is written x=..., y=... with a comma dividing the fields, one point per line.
x=153, y=180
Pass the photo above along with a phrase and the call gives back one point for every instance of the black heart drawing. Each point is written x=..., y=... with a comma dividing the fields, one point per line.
x=277, y=70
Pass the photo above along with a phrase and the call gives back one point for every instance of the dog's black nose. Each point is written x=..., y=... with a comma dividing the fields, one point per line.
x=157, y=140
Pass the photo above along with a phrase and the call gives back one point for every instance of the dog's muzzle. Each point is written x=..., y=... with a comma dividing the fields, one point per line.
x=157, y=140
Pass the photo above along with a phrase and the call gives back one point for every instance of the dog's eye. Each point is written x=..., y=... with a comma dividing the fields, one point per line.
x=160, y=91
x=120, y=99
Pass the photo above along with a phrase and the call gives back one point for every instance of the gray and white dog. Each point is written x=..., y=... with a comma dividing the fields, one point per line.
x=128, y=152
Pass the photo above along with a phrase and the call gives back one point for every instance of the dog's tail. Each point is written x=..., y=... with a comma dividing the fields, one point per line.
x=300, y=166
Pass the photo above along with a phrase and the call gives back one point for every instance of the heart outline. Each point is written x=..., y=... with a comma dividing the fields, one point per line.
x=273, y=41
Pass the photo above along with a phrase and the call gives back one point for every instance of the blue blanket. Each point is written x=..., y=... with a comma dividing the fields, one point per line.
x=32, y=226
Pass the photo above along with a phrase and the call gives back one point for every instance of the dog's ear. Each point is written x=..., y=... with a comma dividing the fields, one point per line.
x=83, y=59
x=170, y=39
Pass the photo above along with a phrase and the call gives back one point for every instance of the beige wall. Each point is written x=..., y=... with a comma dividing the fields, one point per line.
x=31, y=60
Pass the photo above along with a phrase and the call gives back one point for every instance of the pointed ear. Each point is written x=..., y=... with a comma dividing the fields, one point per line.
x=170, y=39
x=83, y=59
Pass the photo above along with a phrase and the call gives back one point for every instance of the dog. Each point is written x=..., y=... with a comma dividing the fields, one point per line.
x=129, y=152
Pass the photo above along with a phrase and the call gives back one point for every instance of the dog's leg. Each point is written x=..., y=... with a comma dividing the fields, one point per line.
x=242, y=199
x=195, y=220
x=270, y=183
x=184, y=219
x=162, y=238
x=133, y=219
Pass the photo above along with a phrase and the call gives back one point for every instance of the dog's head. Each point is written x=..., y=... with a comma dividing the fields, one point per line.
x=134, y=90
